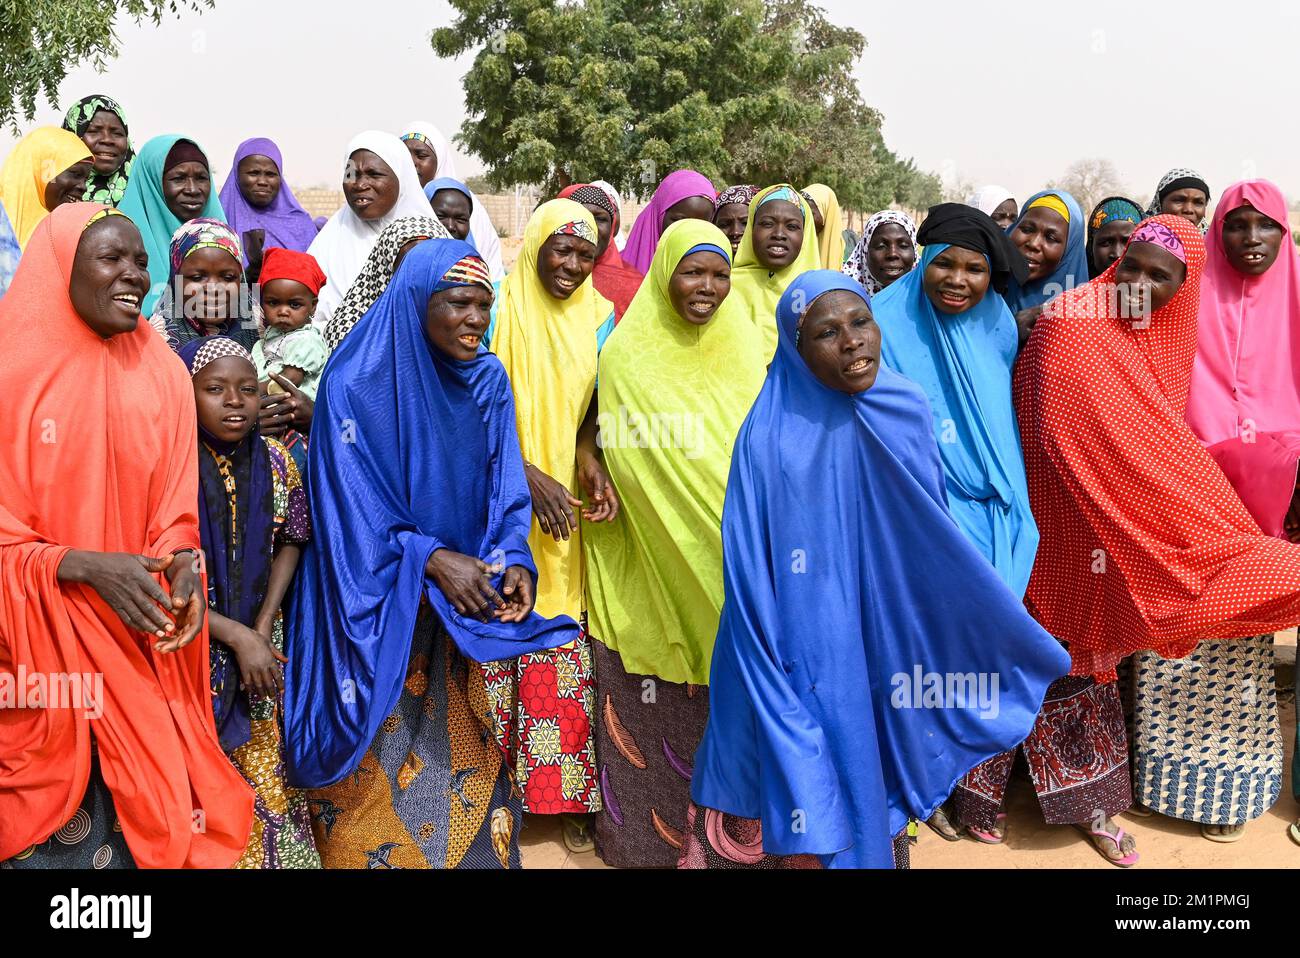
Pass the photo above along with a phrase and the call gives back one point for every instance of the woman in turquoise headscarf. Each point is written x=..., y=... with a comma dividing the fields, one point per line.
x=946, y=329
x=171, y=184
x=1051, y=234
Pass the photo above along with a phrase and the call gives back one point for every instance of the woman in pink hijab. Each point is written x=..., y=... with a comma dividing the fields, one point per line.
x=1245, y=396
x=1208, y=743
x=682, y=195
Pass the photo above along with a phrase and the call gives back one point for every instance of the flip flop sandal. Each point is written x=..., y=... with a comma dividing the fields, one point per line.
x=577, y=836
x=1294, y=831
x=952, y=835
x=988, y=838
x=1128, y=861
x=1140, y=811
x=1222, y=839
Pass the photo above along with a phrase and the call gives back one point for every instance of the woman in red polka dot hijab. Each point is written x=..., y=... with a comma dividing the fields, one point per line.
x=1145, y=544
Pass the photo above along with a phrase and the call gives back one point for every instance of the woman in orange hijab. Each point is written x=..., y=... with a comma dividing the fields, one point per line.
x=105, y=710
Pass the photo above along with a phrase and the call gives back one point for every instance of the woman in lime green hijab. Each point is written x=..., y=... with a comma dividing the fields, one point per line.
x=677, y=378
x=779, y=244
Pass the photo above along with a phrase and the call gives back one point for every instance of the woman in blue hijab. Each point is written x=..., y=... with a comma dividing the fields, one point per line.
x=946, y=329
x=419, y=569
x=856, y=677
x=454, y=208
x=1051, y=234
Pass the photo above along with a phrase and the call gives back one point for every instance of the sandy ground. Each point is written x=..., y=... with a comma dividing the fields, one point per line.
x=1162, y=842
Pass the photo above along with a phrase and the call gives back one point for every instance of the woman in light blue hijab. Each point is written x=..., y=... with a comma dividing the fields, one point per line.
x=946, y=328
x=1051, y=233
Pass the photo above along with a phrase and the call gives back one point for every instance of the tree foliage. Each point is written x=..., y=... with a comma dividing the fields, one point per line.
x=40, y=40
x=627, y=90
x=1090, y=181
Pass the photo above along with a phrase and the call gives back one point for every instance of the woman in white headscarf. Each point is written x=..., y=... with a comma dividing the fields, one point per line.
x=421, y=138
x=997, y=202
x=380, y=186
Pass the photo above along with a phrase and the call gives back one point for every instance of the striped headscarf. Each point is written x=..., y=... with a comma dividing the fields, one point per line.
x=466, y=271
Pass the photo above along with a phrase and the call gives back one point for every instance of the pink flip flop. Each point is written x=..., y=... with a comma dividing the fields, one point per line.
x=988, y=838
x=1128, y=861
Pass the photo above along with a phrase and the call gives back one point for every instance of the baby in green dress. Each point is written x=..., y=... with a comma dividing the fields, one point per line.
x=290, y=345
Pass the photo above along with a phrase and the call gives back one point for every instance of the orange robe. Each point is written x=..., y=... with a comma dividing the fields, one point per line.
x=99, y=453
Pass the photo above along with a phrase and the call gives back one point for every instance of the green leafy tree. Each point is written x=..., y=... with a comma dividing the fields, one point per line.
x=41, y=39
x=627, y=90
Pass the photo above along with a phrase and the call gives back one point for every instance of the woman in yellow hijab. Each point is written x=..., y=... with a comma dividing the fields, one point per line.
x=547, y=332
x=830, y=225
x=677, y=379
x=779, y=244
x=47, y=168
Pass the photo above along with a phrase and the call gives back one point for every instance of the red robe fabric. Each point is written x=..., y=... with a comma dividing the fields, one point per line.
x=100, y=454
x=1145, y=544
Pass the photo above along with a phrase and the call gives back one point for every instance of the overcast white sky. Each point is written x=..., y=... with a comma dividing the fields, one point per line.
x=1010, y=92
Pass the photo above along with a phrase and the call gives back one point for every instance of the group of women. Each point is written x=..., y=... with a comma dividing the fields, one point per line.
x=731, y=545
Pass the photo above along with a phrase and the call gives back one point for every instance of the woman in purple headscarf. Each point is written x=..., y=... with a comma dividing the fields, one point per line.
x=255, y=198
x=682, y=195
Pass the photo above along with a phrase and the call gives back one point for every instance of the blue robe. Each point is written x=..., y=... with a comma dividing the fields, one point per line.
x=849, y=591
x=410, y=452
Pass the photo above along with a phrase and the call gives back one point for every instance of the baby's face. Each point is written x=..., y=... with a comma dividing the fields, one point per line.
x=287, y=304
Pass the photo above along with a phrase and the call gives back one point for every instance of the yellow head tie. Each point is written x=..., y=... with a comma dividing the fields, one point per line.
x=1054, y=203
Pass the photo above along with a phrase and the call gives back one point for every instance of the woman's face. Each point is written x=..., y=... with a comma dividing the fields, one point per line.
x=840, y=342
x=105, y=137
x=691, y=208
x=1041, y=236
x=452, y=207
x=110, y=276
x=1004, y=214
x=1189, y=203
x=186, y=187
x=604, y=226
x=370, y=185
x=226, y=397
x=210, y=286
x=456, y=320
x=1148, y=278
x=778, y=234
x=1108, y=242
x=956, y=280
x=69, y=186
x=891, y=253
x=425, y=160
x=259, y=180
x=1251, y=240
x=732, y=219
x=564, y=263
x=698, y=286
